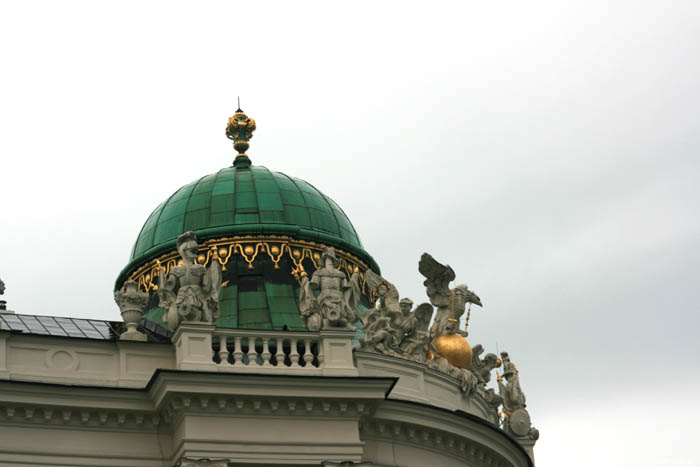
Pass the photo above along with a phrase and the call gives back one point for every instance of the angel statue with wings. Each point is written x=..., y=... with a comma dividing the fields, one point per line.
x=450, y=303
x=338, y=297
x=382, y=324
x=190, y=292
x=390, y=327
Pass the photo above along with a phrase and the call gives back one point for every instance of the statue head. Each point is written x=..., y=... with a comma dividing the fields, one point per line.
x=187, y=247
x=328, y=254
x=508, y=368
x=461, y=293
x=405, y=304
x=491, y=361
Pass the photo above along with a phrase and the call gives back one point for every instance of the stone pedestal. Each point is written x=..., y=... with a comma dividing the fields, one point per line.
x=337, y=353
x=193, y=346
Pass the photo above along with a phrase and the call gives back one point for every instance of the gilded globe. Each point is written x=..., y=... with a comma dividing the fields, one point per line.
x=455, y=349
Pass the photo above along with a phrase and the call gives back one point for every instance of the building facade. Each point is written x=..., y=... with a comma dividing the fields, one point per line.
x=258, y=331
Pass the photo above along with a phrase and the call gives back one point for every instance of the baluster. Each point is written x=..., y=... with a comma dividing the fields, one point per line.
x=293, y=354
x=252, y=353
x=320, y=353
x=280, y=352
x=223, y=351
x=266, y=352
x=237, y=352
x=308, y=356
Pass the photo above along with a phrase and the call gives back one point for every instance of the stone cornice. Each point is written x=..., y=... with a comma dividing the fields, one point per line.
x=465, y=435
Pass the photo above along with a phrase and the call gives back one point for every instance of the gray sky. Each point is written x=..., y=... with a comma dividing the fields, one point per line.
x=548, y=151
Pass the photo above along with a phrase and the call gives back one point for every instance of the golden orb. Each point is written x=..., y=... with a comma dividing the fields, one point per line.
x=248, y=250
x=455, y=349
x=274, y=250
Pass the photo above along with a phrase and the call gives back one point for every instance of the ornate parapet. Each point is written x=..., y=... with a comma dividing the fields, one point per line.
x=203, y=347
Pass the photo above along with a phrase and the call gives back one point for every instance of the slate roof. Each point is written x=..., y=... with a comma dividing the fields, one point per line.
x=77, y=328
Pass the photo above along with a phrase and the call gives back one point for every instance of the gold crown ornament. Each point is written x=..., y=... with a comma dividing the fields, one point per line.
x=240, y=130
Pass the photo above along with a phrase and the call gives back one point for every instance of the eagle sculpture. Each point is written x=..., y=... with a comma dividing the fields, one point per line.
x=450, y=303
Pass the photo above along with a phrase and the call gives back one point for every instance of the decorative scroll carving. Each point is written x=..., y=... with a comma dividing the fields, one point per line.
x=338, y=298
x=131, y=303
x=189, y=292
x=517, y=419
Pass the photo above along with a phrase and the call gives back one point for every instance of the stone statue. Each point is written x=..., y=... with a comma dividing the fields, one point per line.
x=450, y=303
x=415, y=344
x=517, y=421
x=337, y=302
x=2, y=287
x=383, y=325
x=482, y=368
x=132, y=302
x=494, y=401
x=190, y=292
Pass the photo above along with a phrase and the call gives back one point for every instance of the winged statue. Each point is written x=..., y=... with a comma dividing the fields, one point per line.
x=190, y=292
x=382, y=323
x=449, y=302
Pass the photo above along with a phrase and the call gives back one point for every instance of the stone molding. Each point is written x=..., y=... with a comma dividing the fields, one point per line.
x=61, y=360
x=420, y=383
x=447, y=432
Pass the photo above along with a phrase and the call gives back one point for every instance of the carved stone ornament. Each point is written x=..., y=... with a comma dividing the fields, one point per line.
x=2, y=287
x=391, y=327
x=131, y=303
x=482, y=367
x=517, y=419
x=336, y=304
x=450, y=303
x=190, y=292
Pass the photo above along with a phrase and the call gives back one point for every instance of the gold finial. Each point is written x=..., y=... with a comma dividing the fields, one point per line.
x=240, y=129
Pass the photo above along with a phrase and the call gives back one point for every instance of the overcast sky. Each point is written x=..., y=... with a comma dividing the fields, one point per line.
x=548, y=151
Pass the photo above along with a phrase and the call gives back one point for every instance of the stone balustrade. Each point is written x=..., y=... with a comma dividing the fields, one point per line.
x=243, y=348
x=204, y=347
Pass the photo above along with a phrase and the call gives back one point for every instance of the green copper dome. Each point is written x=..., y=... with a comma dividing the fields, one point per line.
x=262, y=227
x=248, y=200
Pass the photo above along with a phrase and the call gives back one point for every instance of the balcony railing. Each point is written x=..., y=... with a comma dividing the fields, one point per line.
x=257, y=349
x=204, y=347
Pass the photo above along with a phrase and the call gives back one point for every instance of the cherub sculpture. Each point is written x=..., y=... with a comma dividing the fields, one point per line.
x=337, y=302
x=190, y=292
x=448, y=302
